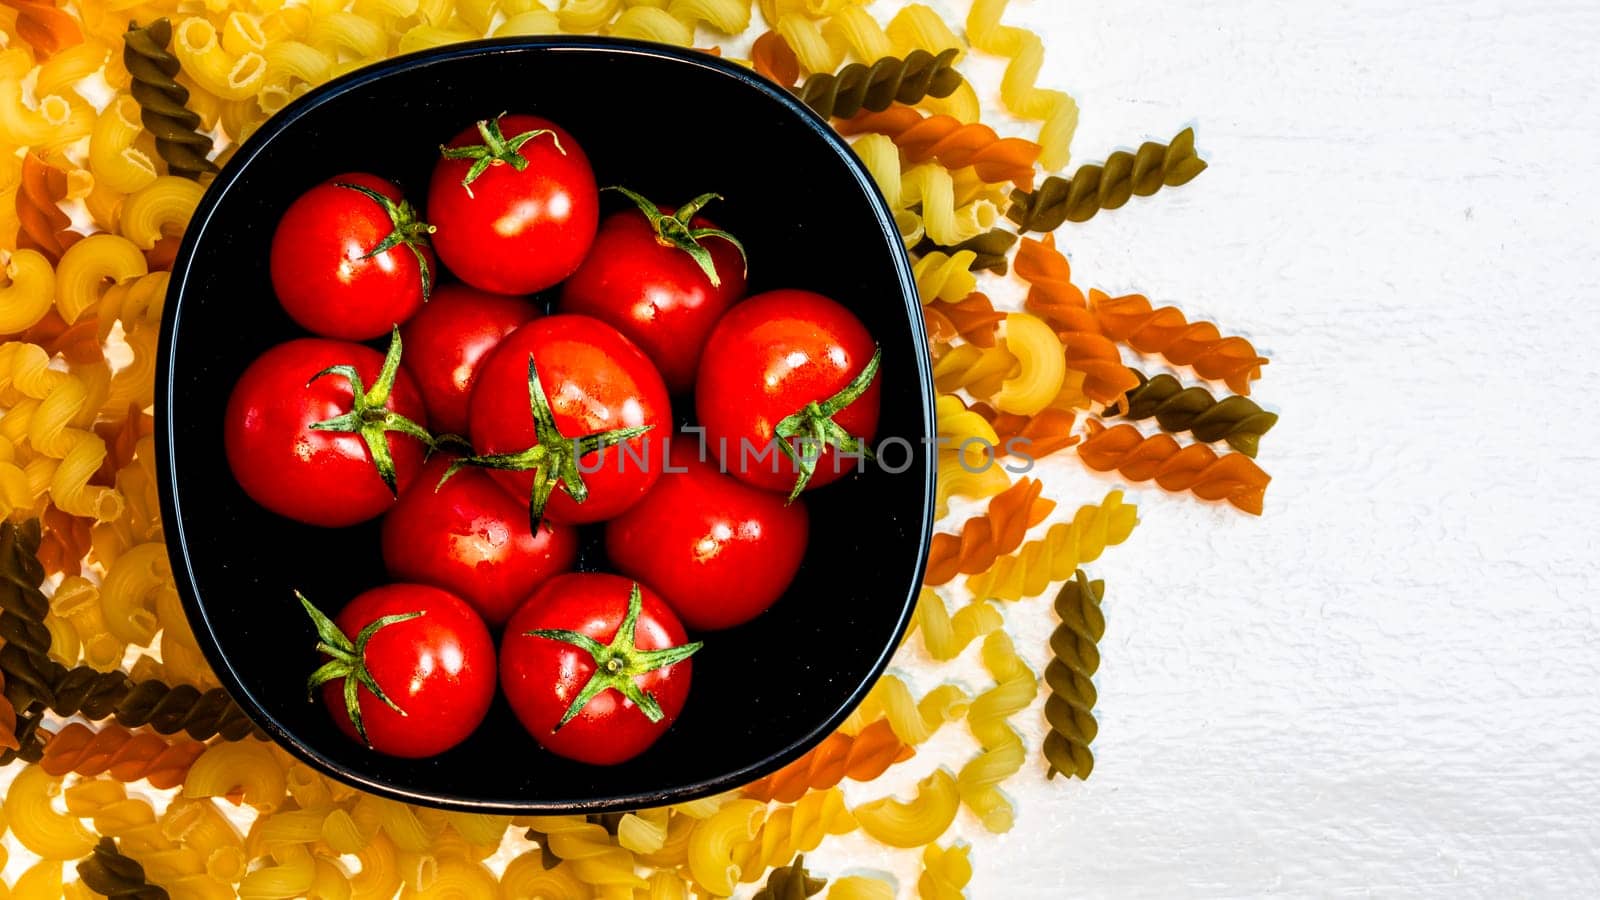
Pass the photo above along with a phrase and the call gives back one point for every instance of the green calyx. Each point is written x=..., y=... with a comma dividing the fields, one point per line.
x=496, y=150
x=349, y=662
x=369, y=417
x=617, y=664
x=553, y=458
x=814, y=424
x=408, y=230
x=675, y=230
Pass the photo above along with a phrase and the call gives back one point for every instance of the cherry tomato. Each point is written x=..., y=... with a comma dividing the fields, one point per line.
x=469, y=537
x=719, y=551
x=325, y=270
x=515, y=204
x=788, y=370
x=596, y=389
x=446, y=341
x=663, y=279
x=369, y=447
x=412, y=672
x=607, y=703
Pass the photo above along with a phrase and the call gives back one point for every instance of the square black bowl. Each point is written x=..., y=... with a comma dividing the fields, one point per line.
x=667, y=122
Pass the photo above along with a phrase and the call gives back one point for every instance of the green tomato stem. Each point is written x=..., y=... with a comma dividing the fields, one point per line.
x=349, y=662
x=814, y=423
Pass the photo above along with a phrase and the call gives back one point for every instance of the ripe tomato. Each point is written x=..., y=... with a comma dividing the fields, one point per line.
x=447, y=340
x=308, y=441
x=550, y=407
x=788, y=378
x=661, y=278
x=515, y=204
x=719, y=551
x=412, y=669
x=350, y=258
x=469, y=537
x=595, y=667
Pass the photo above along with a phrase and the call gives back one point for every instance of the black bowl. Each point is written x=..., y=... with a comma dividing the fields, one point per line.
x=669, y=123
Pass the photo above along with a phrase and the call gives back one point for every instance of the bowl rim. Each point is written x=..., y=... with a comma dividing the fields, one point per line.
x=176, y=537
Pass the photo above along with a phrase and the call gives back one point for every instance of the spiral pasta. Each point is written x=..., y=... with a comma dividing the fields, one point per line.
x=1058, y=554
x=1166, y=331
x=106, y=871
x=791, y=830
x=772, y=56
x=985, y=538
x=1002, y=754
x=594, y=857
x=945, y=872
x=861, y=757
x=1069, y=709
x=973, y=319
x=1044, y=433
x=913, y=720
x=1196, y=468
x=121, y=753
x=953, y=144
x=45, y=28
x=946, y=277
x=43, y=227
x=957, y=478
x=1018, y=87
x=859, y=86
x=1235, y=419
x=1095, y=187
x=989, y=250
x=163, y=100
x=915, y=822
x=1053, y=297
x=791, y=882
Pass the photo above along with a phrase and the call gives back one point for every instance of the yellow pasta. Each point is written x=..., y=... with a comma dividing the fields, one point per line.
x=86, y=266
x=980, y=371
x=534, y=21
x=161, y=207
x=69, y=66
x=918, y=27
x=945, y=872
x=946, y=635
x=114, y=160
x=41, y=881
x=726, y=16
x=712, y=845
x=942, y=276
x=588, y=848
x=26, y=291
x=455, y=879
x=882, y=160
x=917, y=822
x=912, y=720
x=1003, y=753
x=379, y=877
x=296, y=60
x=1054, y=557
x=37, y=826
x=647, y=23
x=289, y=875
x=136, y=303
x=128, y=593
x=1043, y=366
x=1018, y=87
x=224, y=75
x=526, y=878
x=931, y=186
x=56, y=120
x=247, y=766
x=792, y=830
x=811, y=47
x=860, y=887
x=68, y=455
x=581, y=16
x=958, y=479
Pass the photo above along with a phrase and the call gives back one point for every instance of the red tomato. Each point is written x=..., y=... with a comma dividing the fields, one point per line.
x=446, y=341
x=780, y=369
x=468, y=537
x=662, y=279
x=719, y=551
x=430, y=656
x=321, y=267
x=604, y=706
x=322, y=476
x=595, y=385
x=515, y=204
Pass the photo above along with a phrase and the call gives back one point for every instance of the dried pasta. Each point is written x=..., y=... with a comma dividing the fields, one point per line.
x=159, y=209
x=915, y=822
x=594, y=857
x=1167, y=331
x=1196, y=468
x=106, y=871
x=791, y=882
x=1002, y=754
x=973, y=319
x=1069, y=709
x=163, y=100
x=861, y=757
x=945, y=872
x=985, y=538
x=772, y=56
x=26, y=290
x=1108, y=186
x=121, y=753
x=945, y=277
x=1053, y=297
x=980, y=371
x=989, y=250
x=791, y=830
x=953, y=144
x=35, y=823
x=1235, y=419
x=1044, y=433
x=945, y=635
x=888, y=80
x=912, y=720
x=87, y=265
x=957, y=478
x=1042, y=366
x=1018, y=87
x=115, y=159
x=1058, y=554
x=860, y=887
x=44, y=28
x=43, y=227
